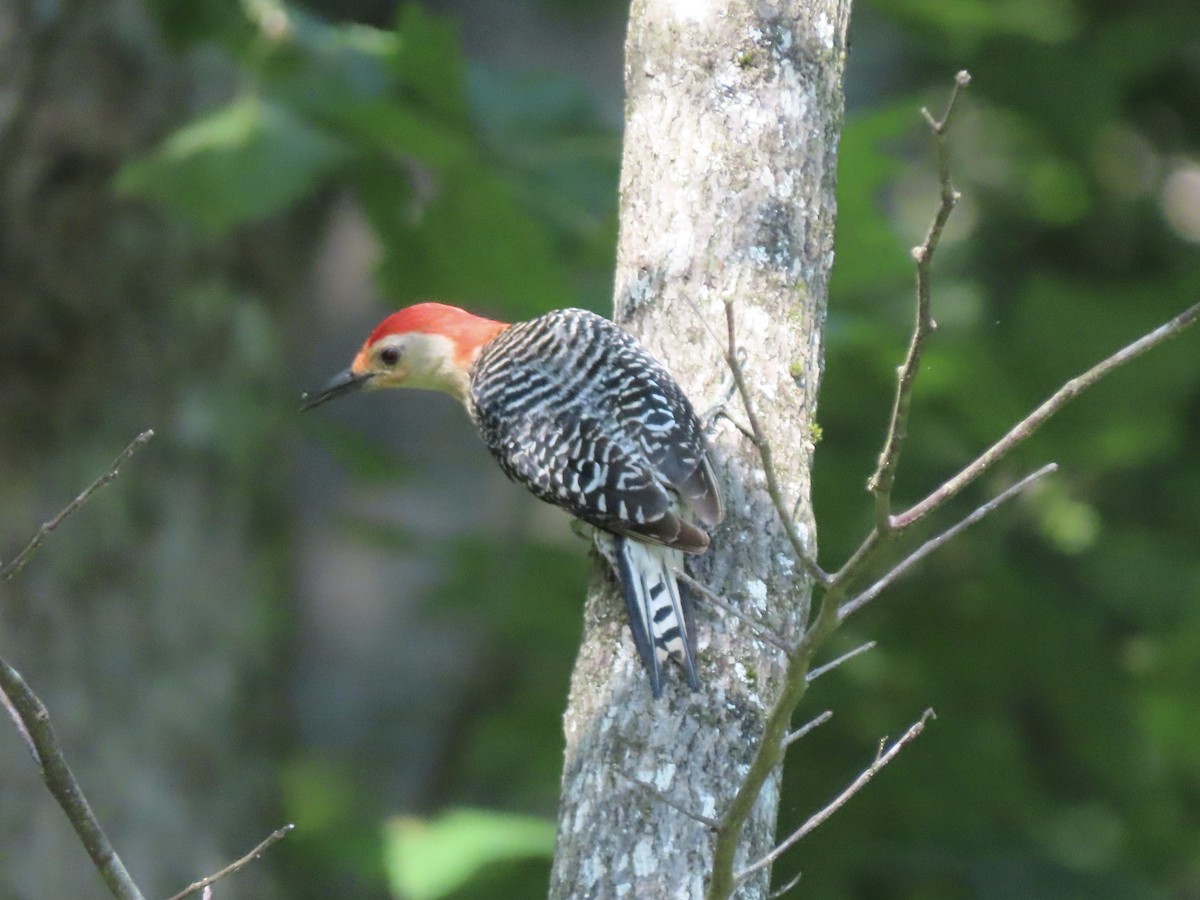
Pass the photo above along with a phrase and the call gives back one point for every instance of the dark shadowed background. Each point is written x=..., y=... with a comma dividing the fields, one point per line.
x=350, y=620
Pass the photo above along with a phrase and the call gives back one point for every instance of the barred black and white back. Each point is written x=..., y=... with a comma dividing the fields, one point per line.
x=581, y=414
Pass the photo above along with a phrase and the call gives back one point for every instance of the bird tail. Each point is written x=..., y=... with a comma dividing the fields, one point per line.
x=659, y=608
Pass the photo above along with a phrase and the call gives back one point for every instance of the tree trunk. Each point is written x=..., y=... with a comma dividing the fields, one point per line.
x=727, y=193
x=144, y=621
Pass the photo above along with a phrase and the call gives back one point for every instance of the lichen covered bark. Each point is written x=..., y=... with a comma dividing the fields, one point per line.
x=727, y=193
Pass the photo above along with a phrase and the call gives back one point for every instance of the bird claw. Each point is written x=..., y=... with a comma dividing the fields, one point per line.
x=719, y=409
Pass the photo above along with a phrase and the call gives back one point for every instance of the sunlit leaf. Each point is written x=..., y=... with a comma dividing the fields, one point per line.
x=241, y=163
x=428, y=859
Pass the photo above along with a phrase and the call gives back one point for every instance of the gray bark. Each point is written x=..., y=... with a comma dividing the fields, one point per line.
x=727, y=192
x=143, y=622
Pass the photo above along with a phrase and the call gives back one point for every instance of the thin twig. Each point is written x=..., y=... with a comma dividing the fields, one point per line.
x=841, y=799
x=1035, y=419
x=845, y=657
x=707, y=821
x=20, y=723
x=769, y=754
x=808, y=727
x=742, y=428
x=880, y=484
x=62, y=784
x=763, y=631
x=765, y=453
x=718, y=341
x=204, y=884
x=18, y=563
x=728, y=389
x=835, y=588
x=774, y=895
x=856, y=603
x=834, y=607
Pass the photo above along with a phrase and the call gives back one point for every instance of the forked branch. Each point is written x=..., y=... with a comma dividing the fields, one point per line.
x=880, y=484
x=836, y=604
x=1031, y=423
x=32, y=720
x=856, y=603
x=759, y=438
x=841, y=799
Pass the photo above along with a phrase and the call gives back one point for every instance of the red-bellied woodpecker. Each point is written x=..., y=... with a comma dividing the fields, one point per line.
x=580, y=413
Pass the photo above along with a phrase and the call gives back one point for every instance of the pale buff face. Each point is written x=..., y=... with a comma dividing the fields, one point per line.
x=427, y=361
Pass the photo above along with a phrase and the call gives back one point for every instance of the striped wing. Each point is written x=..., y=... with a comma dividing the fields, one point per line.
x=576, y=410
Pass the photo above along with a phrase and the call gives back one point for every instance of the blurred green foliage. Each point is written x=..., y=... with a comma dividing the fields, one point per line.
x=1059, y=643
x=494, y=191
x=429, y=860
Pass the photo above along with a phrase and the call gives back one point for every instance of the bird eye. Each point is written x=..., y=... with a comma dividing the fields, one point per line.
x=389, y=356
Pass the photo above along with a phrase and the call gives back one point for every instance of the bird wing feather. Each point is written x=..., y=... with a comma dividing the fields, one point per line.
x=596, y=425
x=575, y=464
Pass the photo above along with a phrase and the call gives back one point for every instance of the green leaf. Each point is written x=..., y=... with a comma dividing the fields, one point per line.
x=185, y=22
x=322, y=68
x=464, y=237
x=430, y=64
x=241, y=163
x=563, y=158
x=392, y=129
x=428, y=859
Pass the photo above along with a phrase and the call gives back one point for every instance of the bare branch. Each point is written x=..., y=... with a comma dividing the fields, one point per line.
x=742, y=428
x=36, y=726
x=787, y=887
x=707, y=821
x=33, y=720
x=205, y=884
x=771, y=746
x=845, y=657
x=808, y=727
x=20, y=723
x=18, y=563
x=880, y=484
x=1035, y=419
x=841, y=799
x=856, y=603
x=762, y=630
x=834, y=606
x=764, y=452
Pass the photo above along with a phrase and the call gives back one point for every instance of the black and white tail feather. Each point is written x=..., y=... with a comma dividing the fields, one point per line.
x=659, y=609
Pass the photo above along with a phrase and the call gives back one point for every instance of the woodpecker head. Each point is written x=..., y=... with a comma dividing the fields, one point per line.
x=429, y=345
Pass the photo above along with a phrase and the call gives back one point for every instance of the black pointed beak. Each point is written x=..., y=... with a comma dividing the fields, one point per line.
x=343, y=383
